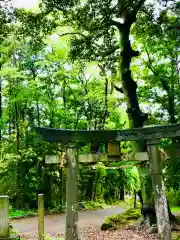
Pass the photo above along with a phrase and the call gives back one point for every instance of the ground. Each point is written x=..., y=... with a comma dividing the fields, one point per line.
x=89, y=226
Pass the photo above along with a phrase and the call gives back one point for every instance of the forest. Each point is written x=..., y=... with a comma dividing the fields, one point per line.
x=89, y=65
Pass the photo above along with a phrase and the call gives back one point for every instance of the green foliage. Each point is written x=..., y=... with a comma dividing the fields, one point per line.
x=173, y=197
x=13, y=231
x=131, y=179
x=175, y=209
x=175, y=236
x=40, y=85
x=157, y=69
x=129, y=202
x=91, y=205
x=99, y=181
x=172, y=168
x=14, y=213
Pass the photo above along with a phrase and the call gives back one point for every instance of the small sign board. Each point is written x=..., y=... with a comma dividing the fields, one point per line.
x=52, y=159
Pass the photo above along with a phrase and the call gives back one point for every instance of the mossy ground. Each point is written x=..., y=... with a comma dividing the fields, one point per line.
x=176, y=236
x=118, y=220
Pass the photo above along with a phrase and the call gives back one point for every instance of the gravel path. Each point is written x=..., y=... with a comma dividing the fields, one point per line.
x=89, y=227
x=55, y=224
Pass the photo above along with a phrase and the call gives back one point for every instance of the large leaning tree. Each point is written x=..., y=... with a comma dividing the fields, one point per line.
x=100, y=31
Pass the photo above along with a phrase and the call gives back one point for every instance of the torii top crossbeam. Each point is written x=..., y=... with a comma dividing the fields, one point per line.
x=135, y=134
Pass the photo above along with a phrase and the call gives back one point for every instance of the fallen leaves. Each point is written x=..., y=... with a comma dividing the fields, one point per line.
x=124, y=234
x=91, y=232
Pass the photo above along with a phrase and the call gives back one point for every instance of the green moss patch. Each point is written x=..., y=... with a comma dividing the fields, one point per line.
x=176, y=236
x=118, y=220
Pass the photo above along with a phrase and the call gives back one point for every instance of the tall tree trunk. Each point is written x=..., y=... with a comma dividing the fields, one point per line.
x=89, y=192
x=121, y=186
x=9, y=123
x=36, y=96
x=122, y=193
x=139, y=193
x=38, y=113
x=17, y=126
x=0, y=106
x=135, y=194
x=102, y=119
x=65, y=104
x=47, y=189
x=20, y=169
x=61, y=188
x=136, y=117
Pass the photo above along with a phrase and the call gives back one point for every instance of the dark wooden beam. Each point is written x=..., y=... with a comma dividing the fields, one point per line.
x=63, y=135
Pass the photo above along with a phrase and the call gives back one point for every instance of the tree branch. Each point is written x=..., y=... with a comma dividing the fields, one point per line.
x=138, y=6
x=86, y=91
x=168, y=89
x=122, y=9
x=164, y=83
x=71, y=33
x=76, y=98
x=118, y=89
x=150, y=63
x=105, y=115
x=116, y=24
x=110, y=51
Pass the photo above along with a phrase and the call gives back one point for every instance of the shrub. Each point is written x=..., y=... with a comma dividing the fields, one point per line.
x=121, y=219
x=91, y=205
x=173, y=197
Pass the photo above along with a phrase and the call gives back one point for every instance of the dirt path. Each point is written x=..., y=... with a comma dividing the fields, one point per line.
x=55, y=224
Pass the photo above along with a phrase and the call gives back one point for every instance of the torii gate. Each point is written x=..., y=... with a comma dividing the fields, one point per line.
x=151, y=134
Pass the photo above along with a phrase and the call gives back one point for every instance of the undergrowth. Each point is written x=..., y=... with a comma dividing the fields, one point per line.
x=90, y=205
x=175, y=209
x=13, y=213
x=118, y=220
x=176, y=236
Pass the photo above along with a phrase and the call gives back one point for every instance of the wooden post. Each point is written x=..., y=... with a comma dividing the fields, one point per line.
x=40, y=216
x=63, y=190
x=162, y=215
x=71, y=196
x=4, y=217
x=61, y=187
